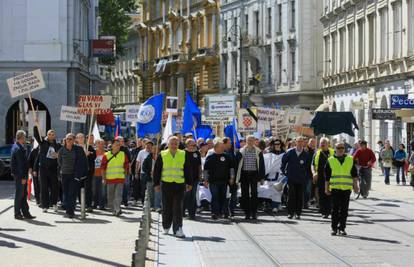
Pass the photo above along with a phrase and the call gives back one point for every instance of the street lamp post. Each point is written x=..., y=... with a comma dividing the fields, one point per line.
x=241, y=68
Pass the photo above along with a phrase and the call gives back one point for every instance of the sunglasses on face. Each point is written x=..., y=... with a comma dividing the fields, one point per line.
x=340, y=148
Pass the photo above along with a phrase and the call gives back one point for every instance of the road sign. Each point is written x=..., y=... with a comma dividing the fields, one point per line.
x=26, y=83
x=71, y=114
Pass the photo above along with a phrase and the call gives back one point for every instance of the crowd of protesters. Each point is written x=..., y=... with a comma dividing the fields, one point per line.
x=187, y=176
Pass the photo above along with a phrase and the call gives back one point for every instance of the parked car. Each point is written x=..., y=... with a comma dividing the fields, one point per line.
x=5, y=157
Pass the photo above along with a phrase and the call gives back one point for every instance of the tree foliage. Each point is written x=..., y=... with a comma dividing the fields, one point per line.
x=115, y=22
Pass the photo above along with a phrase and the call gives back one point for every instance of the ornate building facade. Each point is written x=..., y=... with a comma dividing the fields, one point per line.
x=178, y=48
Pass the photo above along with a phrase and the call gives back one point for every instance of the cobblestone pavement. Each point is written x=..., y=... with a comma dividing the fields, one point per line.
x=380, y=233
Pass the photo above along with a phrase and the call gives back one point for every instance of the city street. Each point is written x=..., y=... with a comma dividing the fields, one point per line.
x=380, y=233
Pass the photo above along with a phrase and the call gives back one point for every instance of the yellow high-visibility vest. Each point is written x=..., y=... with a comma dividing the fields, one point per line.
x=115, y=168
x=341, y=173
x=173, y=167
x=318, y=155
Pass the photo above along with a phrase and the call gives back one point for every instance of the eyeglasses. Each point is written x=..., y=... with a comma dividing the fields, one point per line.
x=339, y=148
x=69, y=139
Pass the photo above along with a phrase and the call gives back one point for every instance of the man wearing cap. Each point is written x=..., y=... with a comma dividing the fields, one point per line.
x=172, y=170
x=341, y=177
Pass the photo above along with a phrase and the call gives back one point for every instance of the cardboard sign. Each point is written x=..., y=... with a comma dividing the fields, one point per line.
x=26, y=83
x=131, y=113
x=269, y=116
x=172, y=104
x=220, y=105
x=94, y=104
x=71, y=114
x=246, y=122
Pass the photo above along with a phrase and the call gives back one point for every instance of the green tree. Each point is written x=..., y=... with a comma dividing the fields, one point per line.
x=115, y=22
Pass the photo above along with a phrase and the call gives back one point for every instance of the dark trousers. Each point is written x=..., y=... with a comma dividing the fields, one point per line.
x=143, y=187
x=400, y=169
x=49, y=187
x=88, y=190
x=136, y=185
x=172, y=205
x=70, y=189
x=97, y=190
x=324, y=201
x=308, y=191
x=340, y=205
x=248, y=200
x=125, y=190
x=20, y=198
x=295, y=198
x=190, y=201
x=219, y=203
x=233, y=198
x=36, y=185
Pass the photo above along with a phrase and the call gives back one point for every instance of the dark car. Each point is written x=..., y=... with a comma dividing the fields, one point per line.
x=5, y=157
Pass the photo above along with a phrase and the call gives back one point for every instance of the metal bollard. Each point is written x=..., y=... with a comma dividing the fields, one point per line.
x=83, y=213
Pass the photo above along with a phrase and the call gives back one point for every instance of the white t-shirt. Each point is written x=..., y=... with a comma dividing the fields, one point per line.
x=142, y=155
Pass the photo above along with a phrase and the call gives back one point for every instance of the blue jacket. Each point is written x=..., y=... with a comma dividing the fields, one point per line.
x=296, y=168
x=19, y=162
x=400, y=154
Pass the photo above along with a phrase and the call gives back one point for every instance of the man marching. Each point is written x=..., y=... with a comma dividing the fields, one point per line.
x=172, y=170
x=341, y=176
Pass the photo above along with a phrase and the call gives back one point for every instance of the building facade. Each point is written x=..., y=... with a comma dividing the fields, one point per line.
x=281, y=55
x=368, y=56
x=178, y=48
x=52, y=36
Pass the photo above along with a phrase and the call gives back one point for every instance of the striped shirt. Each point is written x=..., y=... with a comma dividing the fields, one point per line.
x=249, y=160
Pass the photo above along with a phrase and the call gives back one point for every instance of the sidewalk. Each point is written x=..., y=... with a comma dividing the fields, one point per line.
x=380, y=233
x=52, y=240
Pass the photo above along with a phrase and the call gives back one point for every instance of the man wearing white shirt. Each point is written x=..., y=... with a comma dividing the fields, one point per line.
x=142, y=155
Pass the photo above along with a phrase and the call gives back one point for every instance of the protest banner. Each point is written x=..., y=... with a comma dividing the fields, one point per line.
x=71, y=114
x=94, y=104
x=25, y=84
x=220, y=105
x=131, y=113
x=246, y=122
x=268, y=117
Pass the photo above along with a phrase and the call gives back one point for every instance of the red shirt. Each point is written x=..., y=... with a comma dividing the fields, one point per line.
x=362, y=157
x=120, y=180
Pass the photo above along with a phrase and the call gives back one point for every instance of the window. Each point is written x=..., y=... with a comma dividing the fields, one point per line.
x=351, y=49
x=235, y=28
x=371, y=39
x=234, y=69
x=225, y=72
x=225, y=29
x=269, y=22
x=384, y=34
x=269, y=69
x=333, y=54
x=397, y=29
x=293, y=65
x=327, y=58
x=293, y=14
x=256, y=18
x=342, y=49
x=246, y=18
x=361, y=42
x=279, y=18
x=279, y=68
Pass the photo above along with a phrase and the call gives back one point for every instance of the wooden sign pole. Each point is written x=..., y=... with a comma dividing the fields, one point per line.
x=34, y=115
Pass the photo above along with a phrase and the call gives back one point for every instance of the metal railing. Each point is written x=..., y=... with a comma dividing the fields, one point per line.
x=139, y=256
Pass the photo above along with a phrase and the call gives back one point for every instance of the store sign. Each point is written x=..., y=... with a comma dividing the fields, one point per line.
x=383, y=114
x=26, y=83
x=220, y=105
x=131, y=113
x=103, y=48
x=401, y=101
x=71, y=114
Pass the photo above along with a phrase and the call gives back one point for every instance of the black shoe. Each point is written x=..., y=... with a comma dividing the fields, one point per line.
x=297, y=217
x=325, y=216
x=254, y=217
x=192, y=218
x=29, y=217
x=18, y=217
x=334, y=232
x=225, y=216
x=231, y=214
x=214, y=217
x=290, y=216
x=90, y=209
x=71, y=216
x=247, y=217
x=342, y=232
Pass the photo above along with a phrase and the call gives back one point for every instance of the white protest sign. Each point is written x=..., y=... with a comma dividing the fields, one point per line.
x=94, y=104
x=269, y=116
x=26, y=83
x=220, y=105
x=293, y=117
x=71, y=114
x=172, y=104
x=131, y=113
x=245, y=122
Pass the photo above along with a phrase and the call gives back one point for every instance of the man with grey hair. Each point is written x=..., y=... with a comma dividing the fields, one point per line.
x=20, y=170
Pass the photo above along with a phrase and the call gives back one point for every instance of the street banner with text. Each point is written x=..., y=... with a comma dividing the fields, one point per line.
x=26, y=83
x=71, y=114
x=131, y=113
x=94, y=104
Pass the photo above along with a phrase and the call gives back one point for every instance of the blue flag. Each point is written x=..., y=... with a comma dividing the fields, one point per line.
x=204, y=131
x=231, y=132
x=150, y=115
x=192, y=115
x=118, y=130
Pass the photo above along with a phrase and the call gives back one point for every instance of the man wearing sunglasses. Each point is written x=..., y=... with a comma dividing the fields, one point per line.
x=341, y=177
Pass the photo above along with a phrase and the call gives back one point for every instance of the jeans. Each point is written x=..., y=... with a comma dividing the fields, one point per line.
x=190, y=201
x=340, y=205
x=97, y=191
x=295, y=198
x=49, y=187
x=150, y=190
x=157, y=200
x=219, y=202
x=70, y=190
x=20, y=198
x=366, y=177
x=143, y=187
x=172, y=205
x=115, y=196
x=248, y=184
x=400, y=169
x=387, y=175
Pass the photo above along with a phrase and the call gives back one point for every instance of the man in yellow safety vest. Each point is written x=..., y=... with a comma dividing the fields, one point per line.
x=114, y=167
x=174, y=174
x=341, y=177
